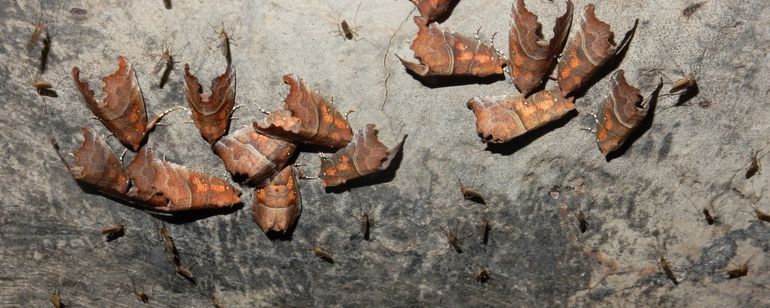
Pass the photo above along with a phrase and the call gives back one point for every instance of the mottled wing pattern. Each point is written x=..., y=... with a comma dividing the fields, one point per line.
x=446, y=53
x=277, y=206
x=122, y=111
x=97, y=165
x=499, y=119
x=364, y=155
x=621, y=113
x=531, y=56
x=169, y=187
x=307, y=118
x=252, y=156
x=211, y=111
x=591, y=47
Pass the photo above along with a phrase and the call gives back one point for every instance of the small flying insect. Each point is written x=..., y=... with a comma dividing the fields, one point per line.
x=692, y=8
x=322, y=254
x=482, y=275
x=754, y=166
x=667, y=270
x=452, y=239
x=56, y=299
x=140, y=294
x=485, y=227
x=582, y=221
x=114, y=232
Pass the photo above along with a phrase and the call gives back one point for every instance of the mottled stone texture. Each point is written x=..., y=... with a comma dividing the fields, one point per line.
x=640, y=206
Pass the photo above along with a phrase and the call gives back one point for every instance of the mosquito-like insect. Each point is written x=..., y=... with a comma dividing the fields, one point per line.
x=323, y=254
x=582, y=221
x=346, y=31
x=226, y=40
x=56, y=299
x=114, y=232
x=667, y=270
x=469, y=192
x=485, y=227
x=754, y=166
x=140, y=294
x=165, y=64
x=482, y=275
x=692, y=8
x=452, y=238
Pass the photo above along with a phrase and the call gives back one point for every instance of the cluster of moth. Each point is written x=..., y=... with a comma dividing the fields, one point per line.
x=500, y=119
x=578, y=62
x=255, y=155
x=259, y=155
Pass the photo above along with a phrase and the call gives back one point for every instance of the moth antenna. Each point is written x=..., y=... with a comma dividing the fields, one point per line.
x=348, y=113
x=122, y=155
x=61, y=156
x=670, y=57
x=156, y=121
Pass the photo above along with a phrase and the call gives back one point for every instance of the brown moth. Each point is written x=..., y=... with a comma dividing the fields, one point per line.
x=447, y=53
x=364, y=155
x=323, y=254
x=167, y=4
x=499, y=119
x=307, y=117
x=96, y=165
x=482, y=275
x=211, y=111
x=277, y=206
x=532, y=58
x=667, y=270
x=622, y=112
x=253, y=157
x=585, y=54
x=122, y=110
x=431, y=10
x=114, y=232
x=169, y=187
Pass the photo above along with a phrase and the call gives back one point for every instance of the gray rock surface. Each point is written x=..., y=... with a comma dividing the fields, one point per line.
x=642, y=205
